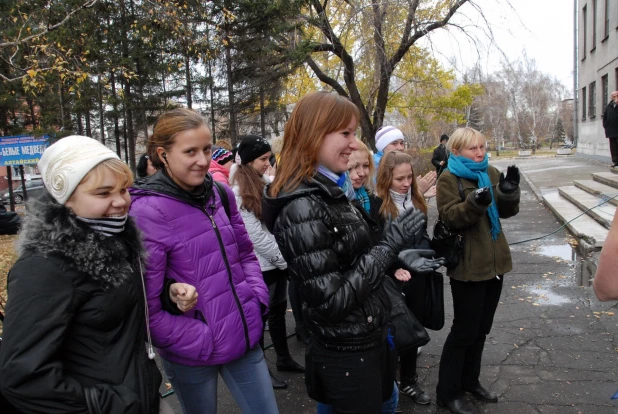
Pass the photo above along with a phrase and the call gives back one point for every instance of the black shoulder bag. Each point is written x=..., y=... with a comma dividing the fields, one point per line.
x=448, y=243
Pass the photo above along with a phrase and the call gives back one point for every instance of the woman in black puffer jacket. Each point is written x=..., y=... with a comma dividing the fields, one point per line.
x=330, y=254
x=75, y=331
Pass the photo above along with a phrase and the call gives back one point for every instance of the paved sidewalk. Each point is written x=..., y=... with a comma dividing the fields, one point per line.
x=553, y=345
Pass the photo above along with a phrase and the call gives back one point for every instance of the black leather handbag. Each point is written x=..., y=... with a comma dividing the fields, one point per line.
x=448, y=243
x=433, y=312
x=409, y=333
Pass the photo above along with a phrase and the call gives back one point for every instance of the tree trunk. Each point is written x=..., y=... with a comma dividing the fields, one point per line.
x=142, y=104
x=32, y=113
x=61, y=96
x=130, y=137
x=88, y=128
x=212, y=101
x=101, y=112
x=230, y=92
x=262, y=113
x=80, y=125
x=115, y=115
x=188, y=86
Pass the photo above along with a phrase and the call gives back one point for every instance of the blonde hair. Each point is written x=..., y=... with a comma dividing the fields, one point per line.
x=384, y=181
x=223, y=143
x=369, y=186
x=124, y=176
x=463, y=137
x=314, y=116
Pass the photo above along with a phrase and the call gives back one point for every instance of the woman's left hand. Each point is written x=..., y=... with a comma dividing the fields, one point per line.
x=402, y=275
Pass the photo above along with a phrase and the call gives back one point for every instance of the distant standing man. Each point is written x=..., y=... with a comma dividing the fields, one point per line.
x=610, y=123
x=440, y=155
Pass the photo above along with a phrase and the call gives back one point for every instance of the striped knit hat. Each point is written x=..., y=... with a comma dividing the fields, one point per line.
x=387, y=135
x=222, y=156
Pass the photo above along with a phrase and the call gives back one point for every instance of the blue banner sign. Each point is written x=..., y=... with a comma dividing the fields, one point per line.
x=22, y=149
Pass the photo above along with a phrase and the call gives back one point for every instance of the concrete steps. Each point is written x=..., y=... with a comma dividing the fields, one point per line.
x=583, y=199
x=584, y=227
x=598, y=189
x=607, y=178
x=586, y=201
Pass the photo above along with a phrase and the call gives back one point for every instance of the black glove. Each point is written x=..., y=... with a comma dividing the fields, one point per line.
x=483, y=196
x=405, y=231
x=509, y=183
x=420, y=261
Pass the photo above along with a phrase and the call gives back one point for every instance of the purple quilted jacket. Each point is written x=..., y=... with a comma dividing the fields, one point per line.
x=199, y=245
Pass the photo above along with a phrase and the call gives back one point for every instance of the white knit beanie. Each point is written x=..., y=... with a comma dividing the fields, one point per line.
x=65, y=163
x=386, y=135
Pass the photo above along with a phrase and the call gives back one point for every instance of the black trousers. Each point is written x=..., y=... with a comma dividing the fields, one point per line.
x=277, y=282
x=613, y=149
x=474, y=305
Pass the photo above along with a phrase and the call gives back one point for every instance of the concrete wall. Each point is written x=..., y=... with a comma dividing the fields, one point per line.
x=599, y=59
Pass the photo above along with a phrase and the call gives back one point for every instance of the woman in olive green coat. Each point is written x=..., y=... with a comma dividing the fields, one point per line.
x=476, y=282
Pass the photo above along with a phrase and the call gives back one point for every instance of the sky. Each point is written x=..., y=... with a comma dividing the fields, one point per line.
x=543, y=28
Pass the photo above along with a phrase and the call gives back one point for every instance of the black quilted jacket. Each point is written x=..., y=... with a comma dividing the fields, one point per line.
x=330, y=254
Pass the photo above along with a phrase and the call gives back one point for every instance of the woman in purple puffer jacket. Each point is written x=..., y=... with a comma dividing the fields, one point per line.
x=192, y=238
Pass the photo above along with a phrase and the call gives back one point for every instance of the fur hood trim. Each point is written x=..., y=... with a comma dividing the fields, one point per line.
x=50, y=228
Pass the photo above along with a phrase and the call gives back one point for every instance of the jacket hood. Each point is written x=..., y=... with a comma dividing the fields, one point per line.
x=161, y=184
x=50, y=228
x=271, y=206
x=216, y=167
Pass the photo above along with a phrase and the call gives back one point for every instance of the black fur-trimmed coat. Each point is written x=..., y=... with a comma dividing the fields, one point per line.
x=74, y=330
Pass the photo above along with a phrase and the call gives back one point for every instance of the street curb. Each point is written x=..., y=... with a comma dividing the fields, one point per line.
x=535, y=189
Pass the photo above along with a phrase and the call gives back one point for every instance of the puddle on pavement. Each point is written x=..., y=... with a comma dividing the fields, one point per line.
x=583, y=268
x=563, y=251
x=547, y=297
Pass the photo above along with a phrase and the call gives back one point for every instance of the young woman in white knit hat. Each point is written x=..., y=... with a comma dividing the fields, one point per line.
x=75, y=334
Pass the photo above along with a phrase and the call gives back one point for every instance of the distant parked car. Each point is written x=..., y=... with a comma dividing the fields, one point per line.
x=34, y=188
x=568, y=146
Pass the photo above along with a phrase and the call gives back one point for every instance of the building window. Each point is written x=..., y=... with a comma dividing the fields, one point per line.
x=592, y=97
x=606, y=31
x=594, y=24
x=584, y=103
x=605, y=89
x=585, y=30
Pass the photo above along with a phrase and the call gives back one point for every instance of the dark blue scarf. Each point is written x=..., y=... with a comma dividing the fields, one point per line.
x=477, y=171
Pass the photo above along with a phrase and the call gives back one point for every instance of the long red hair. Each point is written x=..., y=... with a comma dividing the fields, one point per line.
x=314, y=116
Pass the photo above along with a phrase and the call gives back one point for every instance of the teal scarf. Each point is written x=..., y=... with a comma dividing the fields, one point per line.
x=477, y=171
x=363, y=198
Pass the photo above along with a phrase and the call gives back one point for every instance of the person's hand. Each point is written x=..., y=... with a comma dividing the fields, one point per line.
x=510, y=182
x=425, y=182
x=431, y=192
x=405, y=231
x=402, y=275
x=441, y=162
x=420, y=261
x=483, y=196
x=183, y=295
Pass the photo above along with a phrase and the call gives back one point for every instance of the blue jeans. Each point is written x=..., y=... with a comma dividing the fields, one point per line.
x=247, y=379
x=388, y=406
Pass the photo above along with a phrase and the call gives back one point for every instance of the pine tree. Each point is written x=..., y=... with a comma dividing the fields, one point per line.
x=559, y=133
